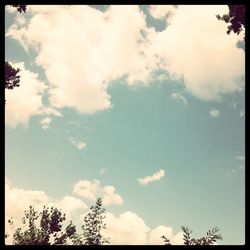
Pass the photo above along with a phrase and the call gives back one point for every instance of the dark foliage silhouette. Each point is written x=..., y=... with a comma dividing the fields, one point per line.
x=93, y=224
x=236, y=18
x=47, y=228
x=12, y=78
x=211, y=237
x=44, y=228
x=20, y=8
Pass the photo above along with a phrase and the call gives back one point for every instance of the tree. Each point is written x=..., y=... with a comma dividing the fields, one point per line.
x=211, y=237
x=12, y=78
x=49, y=231
x=236, y=18
x=93, y=224
x=20, y=8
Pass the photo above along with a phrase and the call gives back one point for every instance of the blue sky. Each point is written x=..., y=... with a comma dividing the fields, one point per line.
x=117, y=109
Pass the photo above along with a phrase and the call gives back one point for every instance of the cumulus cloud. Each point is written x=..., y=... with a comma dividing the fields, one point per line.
x=24, y=101
x=128, y=229
x=93, y=189
x=156, y=233
x=46, y=122
x=214, y=113
x=87, y=189
x=78, y=144
x=79, y=65
x=155, y=177
x=180, y=97
x=208, y=67
x=110, y=197
x=71, y=204
x=161, y=11
x=117, y=43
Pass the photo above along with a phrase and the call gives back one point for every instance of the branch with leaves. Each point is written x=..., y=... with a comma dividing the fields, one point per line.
x=20, y=7
x=211, y=237
x=46, y=231
x=47, y=228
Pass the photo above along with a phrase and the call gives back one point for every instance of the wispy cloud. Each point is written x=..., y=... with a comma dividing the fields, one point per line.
x=214, y=113
x=46, y=122
x=180, y=97
x=78, y=144
x=155, y=177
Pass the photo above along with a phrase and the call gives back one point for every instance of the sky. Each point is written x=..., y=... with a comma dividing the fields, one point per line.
x=143, y=106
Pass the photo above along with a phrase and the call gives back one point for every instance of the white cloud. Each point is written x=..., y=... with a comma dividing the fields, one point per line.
x=46, y=122
x=10, y=9
x=20, y=19
x=71, y=205
x=117, y=43
x=87, y=189
x=92, y=190
x=161, y=11
x=52, y=111
x=177, y=239
x=155, y=177
x=79, y=65
x=110, y=197
x=128, y=229
x=214, y=113
x=180, y=97
x=208, y=67
x=24, y=101
x=156, y=233
x=78, y=144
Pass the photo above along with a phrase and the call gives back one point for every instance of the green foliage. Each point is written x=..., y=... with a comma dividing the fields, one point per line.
x=11, y=76
x=46, y=232
x=93, y=224
x=211, y=237
x=236, y=18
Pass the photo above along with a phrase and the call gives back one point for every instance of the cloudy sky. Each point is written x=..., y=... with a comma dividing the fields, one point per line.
x=140, y=105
